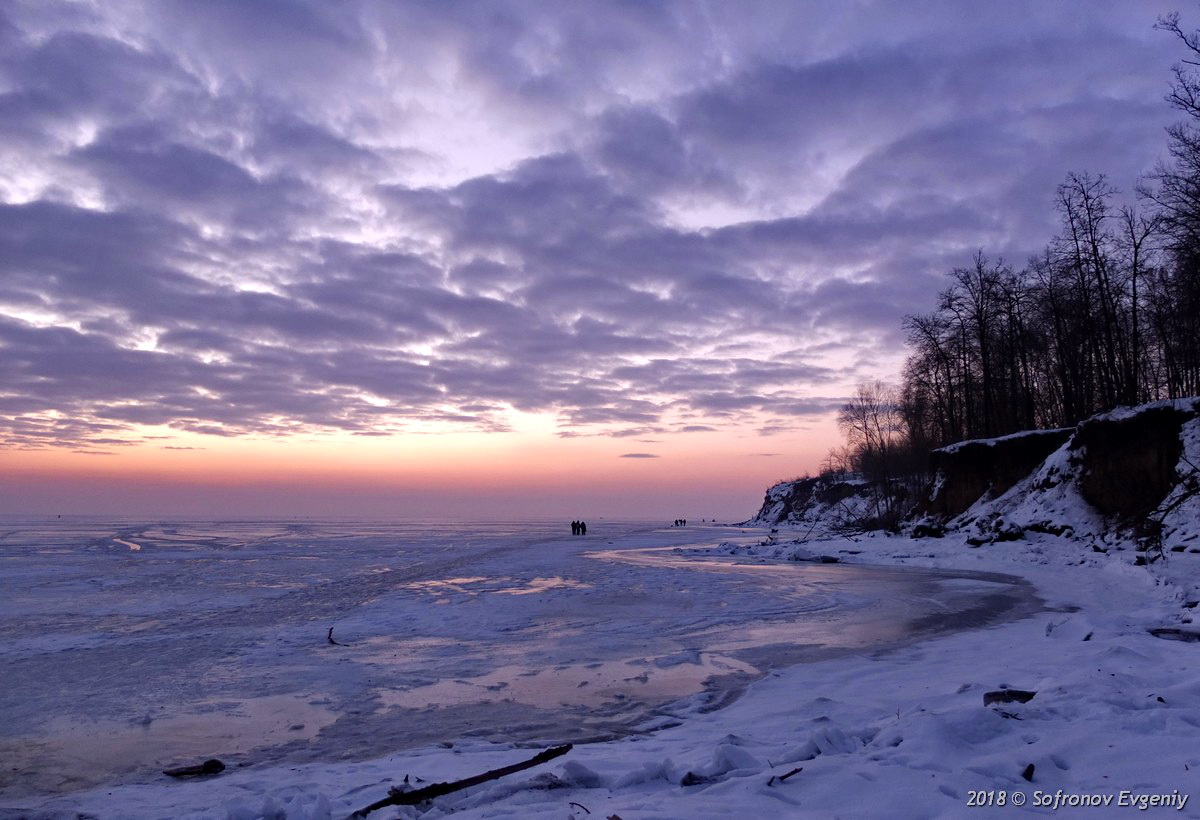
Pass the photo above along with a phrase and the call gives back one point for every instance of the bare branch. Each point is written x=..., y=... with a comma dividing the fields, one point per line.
x=397, y=797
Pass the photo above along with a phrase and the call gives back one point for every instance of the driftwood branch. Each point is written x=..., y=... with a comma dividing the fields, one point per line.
x=329, y=636
x=208, y=767
x=783, y=778
x=396, y=797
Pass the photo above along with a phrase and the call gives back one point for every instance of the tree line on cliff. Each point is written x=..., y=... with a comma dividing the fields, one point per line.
x=1107, y=314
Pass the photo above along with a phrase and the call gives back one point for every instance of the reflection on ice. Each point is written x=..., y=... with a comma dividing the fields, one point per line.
x=581, y=684
x=447, y=585
x=499, y=586
x=536, y=585
x=73, y=752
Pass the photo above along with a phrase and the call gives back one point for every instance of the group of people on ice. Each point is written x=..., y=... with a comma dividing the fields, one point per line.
x=680, y=522
x=578, y=528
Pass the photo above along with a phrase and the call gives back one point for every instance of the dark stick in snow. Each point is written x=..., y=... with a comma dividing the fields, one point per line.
x=329, y=635
x=783, y=778
x=397, y=797
x=208, y=767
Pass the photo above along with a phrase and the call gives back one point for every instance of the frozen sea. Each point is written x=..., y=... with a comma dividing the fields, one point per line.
x=127, y=646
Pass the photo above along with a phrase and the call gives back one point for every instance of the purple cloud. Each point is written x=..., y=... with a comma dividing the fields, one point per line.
x=280, y=216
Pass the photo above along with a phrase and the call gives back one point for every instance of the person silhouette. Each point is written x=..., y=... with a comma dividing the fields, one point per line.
x=574, y=528
x=583, y=528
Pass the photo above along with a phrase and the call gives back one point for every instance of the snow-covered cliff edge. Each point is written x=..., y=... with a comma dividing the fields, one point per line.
x=1130, y=475
x=826, y=502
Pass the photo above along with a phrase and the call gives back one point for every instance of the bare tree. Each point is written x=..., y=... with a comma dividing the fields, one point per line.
x=873, y=423
x=1174, y=191
x=1107, y=314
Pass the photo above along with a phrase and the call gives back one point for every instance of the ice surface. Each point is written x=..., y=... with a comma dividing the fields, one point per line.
x=898, y=731
x=210, y=640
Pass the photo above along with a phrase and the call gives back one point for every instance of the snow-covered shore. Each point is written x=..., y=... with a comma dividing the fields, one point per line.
x=902, y=733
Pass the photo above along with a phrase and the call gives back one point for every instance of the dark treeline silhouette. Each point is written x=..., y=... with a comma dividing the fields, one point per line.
x=1107, y=314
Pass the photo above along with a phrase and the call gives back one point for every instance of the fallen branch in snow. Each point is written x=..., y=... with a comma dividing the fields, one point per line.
x=783, y=778
x=585, y=808
x=804, y=538
x=329, y=635
x=1150, y=531
x=208, y=767
x=396, y=797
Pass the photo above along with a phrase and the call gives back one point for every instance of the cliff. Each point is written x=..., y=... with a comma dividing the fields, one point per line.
x=1132, y=473
x=968, y=471
x=825, y=503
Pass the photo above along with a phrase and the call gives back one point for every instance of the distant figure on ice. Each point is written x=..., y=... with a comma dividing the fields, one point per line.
x=574, y=528
x=583, y=528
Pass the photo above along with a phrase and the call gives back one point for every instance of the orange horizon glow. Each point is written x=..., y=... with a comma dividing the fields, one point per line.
x=520, y=470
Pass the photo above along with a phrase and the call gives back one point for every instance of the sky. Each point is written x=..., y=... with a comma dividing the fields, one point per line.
x=504, y=259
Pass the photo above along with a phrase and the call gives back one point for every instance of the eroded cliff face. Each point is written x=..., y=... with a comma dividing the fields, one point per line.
x=1129, y=473
x=827, y=502
x=1129, y=462
x=970, y=470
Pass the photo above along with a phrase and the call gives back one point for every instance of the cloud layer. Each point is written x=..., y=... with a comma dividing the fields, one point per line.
x=280, y=216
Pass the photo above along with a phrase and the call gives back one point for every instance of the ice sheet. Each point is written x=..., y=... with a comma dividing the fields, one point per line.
x=211, y=638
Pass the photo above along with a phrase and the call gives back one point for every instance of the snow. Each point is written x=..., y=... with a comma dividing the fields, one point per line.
x=991, y=442
x=895, y=731
x=1181, y=525
x=1048, y=500
x=1123, y=412
x=854, y=501
x=1116, y=708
